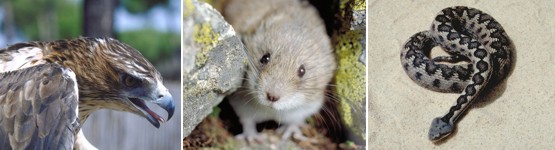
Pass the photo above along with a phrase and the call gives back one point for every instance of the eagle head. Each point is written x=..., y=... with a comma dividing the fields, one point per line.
x=113, y=75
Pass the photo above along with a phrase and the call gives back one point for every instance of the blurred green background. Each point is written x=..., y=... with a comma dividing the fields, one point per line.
x=151, y=26
x=141, y=24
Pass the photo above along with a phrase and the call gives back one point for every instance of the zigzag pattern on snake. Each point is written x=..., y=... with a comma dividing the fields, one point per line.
x=480, y=55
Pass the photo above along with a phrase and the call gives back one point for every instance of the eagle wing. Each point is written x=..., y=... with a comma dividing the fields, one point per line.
x=38, y=108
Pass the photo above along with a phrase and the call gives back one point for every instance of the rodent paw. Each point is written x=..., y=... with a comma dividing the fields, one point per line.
x=251, y=138
x=295, y=131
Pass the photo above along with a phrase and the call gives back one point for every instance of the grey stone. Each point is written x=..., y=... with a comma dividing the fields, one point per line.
x=214, y=60
x=359, y=23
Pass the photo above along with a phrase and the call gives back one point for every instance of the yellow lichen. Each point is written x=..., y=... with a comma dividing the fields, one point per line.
x=359, y=5
x=350, y=75
x=188, y=8
x=205, y=37
x=342, y=5
x=208, y=1
x=346, y=112
x=352, y=5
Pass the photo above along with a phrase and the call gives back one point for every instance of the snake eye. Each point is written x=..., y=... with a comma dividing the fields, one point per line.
x=301, y=71
x=130, y=81
x=265, y=59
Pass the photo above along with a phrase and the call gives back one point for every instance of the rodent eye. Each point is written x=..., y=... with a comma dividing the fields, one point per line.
x=265, y=59
x=130, y=81
x=301, y=71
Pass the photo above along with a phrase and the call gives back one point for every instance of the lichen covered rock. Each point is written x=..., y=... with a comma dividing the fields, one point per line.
x=351, y=73
x=214, y=60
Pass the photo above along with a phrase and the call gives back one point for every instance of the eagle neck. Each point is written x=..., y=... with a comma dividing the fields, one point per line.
x=84, y=112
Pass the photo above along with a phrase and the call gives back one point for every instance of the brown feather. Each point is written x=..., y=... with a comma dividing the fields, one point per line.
x=40, y=108
x=99, y=65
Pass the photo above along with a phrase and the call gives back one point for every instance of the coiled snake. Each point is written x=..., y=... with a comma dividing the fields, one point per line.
x=480, y=55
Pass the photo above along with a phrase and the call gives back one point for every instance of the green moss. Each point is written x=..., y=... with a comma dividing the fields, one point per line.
x=350, y=75
x=206, y=38
x=230, y=144
x=215, y=111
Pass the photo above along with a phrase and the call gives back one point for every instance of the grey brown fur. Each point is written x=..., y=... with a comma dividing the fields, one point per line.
x=294, y=36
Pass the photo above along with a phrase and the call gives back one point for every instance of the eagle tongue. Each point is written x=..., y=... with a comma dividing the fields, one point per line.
x=154, y=115
x=154, y=118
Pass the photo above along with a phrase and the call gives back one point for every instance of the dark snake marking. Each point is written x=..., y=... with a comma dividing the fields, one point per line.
x=469, y=36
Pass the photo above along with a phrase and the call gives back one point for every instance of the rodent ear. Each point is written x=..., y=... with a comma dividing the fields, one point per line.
x=301, y=71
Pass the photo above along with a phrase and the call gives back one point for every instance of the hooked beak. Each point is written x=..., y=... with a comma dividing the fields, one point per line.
x=164, y=100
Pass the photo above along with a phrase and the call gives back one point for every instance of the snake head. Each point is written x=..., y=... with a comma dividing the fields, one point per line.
x=439, y=129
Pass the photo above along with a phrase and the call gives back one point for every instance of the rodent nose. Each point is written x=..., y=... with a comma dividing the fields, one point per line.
x=271, y=97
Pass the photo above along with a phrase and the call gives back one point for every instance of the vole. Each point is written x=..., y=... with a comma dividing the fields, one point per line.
x=291, y=62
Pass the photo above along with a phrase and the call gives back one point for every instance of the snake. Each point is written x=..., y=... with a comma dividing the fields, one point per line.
x=479, y=56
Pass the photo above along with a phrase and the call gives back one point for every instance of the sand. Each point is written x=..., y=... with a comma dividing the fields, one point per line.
x=520, y=115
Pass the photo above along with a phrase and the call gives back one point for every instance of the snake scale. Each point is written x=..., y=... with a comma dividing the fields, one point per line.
x=479, y=56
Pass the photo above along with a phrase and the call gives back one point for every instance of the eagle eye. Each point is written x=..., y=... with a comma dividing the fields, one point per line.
x=130, y=81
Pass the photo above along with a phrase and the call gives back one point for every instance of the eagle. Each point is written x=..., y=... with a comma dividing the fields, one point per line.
x=48, y=89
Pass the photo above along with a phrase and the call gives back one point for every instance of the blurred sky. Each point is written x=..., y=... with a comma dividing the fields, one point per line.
x=165, y=18
x=161, y=18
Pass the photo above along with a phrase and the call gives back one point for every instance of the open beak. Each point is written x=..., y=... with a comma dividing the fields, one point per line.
x=163, y=100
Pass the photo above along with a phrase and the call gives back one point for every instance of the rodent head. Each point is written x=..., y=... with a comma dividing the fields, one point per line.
x=291, y=62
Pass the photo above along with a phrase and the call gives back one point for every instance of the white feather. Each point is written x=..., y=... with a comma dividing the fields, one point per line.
x=23, y=58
